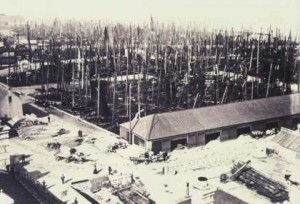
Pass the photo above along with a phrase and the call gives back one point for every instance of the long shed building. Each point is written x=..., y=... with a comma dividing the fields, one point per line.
x=195, y=127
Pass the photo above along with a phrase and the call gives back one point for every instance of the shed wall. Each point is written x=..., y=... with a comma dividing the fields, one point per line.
x=11, y=108
x=192, y=140
x=198, y=138
x=123, y=132
x=166, y=145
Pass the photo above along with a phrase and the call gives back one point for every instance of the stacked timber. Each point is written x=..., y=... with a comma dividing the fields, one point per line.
x=257, y=181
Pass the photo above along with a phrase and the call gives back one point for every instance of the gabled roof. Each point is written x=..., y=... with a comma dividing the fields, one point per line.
x=164, y=125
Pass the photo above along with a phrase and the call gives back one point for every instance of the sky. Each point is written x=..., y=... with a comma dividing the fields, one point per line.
x=283, y=14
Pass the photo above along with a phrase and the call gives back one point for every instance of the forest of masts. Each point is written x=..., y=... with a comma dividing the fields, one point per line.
x=114, y=72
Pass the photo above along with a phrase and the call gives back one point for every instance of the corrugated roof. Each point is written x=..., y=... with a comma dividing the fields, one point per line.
x=163, y=125
x=288, y=140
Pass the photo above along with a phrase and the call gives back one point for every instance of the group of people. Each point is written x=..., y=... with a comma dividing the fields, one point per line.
x=148, y=155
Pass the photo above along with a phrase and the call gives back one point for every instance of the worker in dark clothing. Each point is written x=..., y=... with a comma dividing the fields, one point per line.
x=95, y=169
x=62, y=179
x=49, y=119
x=187, y=189
x=46, y=105
x=12, y=169
x=7, y=168
x=44, y=184
x=80, y=133
x=23, y=158
x=109, y=170
x=147, y=155
x=165, y=156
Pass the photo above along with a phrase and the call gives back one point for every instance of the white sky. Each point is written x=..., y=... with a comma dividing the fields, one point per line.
x=284, y=14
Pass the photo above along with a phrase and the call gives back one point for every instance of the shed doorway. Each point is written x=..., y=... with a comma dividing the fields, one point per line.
x=243, y=130
x=156, y=147
x=179, y=142
x=211, y=136
x=271, y=125
x=296, y=121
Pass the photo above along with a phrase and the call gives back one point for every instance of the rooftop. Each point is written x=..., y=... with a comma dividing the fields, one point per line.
x=288, y=140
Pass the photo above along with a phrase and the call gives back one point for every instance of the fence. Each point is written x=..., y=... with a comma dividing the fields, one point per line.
x=182, y=167
x=34, y=187
x=200, y=163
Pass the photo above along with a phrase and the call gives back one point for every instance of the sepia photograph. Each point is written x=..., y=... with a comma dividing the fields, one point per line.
x=149, y=102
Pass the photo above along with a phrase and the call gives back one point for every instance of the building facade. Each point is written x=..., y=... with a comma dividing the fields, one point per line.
x=10, y=104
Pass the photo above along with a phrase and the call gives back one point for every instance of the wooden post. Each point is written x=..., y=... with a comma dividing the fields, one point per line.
x=73, y=80
x=98, y=96
x=257, y=65
x=252, y=87
x=82, y=66
x=269, y=78
x=224, y=95
x=246, y=77
x=195, y=101
x=284, y=74
x=126, y=89
x=298, y=74
x=130, y=134
x=139, y=93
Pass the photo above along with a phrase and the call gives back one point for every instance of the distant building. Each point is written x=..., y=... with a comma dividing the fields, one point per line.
x=195, y=127
x=7, y=59
x=10, y=104
x=8, y=22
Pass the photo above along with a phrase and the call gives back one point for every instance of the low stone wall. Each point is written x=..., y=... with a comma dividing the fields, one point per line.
x=34, y=187
x=84, y=121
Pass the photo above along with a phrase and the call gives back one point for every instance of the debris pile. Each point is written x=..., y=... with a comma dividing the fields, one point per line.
x=61, y=132
x=115, y=146
x=149, y=157
x=255, y=180
x=53, y=146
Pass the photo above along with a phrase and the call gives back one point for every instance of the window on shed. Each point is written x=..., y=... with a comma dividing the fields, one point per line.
x=139, y=141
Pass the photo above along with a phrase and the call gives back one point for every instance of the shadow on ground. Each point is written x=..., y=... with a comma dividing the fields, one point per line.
x=15, y=190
